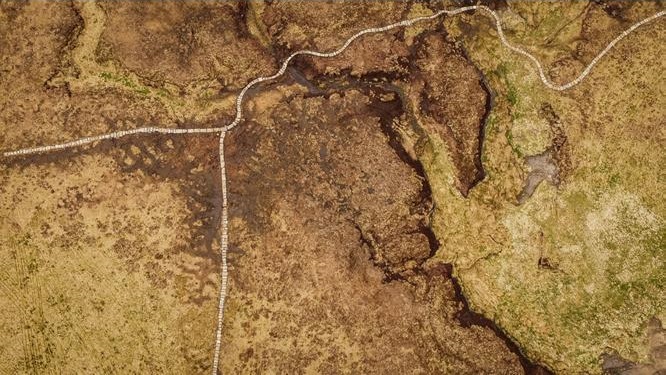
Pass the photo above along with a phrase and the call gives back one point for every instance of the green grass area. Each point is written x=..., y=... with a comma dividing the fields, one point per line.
x=127, y=82
x=501, y=72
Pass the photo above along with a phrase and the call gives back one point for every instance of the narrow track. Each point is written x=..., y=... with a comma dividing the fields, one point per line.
x=224, y=236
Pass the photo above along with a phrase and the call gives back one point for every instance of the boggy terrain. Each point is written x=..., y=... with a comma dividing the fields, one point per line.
x=332, y=242
x=370, y=194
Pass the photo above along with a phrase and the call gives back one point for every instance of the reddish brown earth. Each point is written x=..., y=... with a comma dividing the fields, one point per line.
x=331, y=228
x=455, y=95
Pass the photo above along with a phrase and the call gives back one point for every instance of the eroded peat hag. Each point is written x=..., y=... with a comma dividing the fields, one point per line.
x=455, y=95
x=340, y=214
x=396, y=121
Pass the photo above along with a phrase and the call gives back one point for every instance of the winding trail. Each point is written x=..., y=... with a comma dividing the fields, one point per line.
x=224, y=236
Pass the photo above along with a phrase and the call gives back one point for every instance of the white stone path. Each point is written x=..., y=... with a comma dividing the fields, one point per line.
x=224, y=236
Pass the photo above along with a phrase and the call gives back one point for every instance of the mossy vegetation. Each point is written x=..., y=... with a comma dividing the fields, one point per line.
x=601, y=230
x=501, y=73
x=129, y=83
